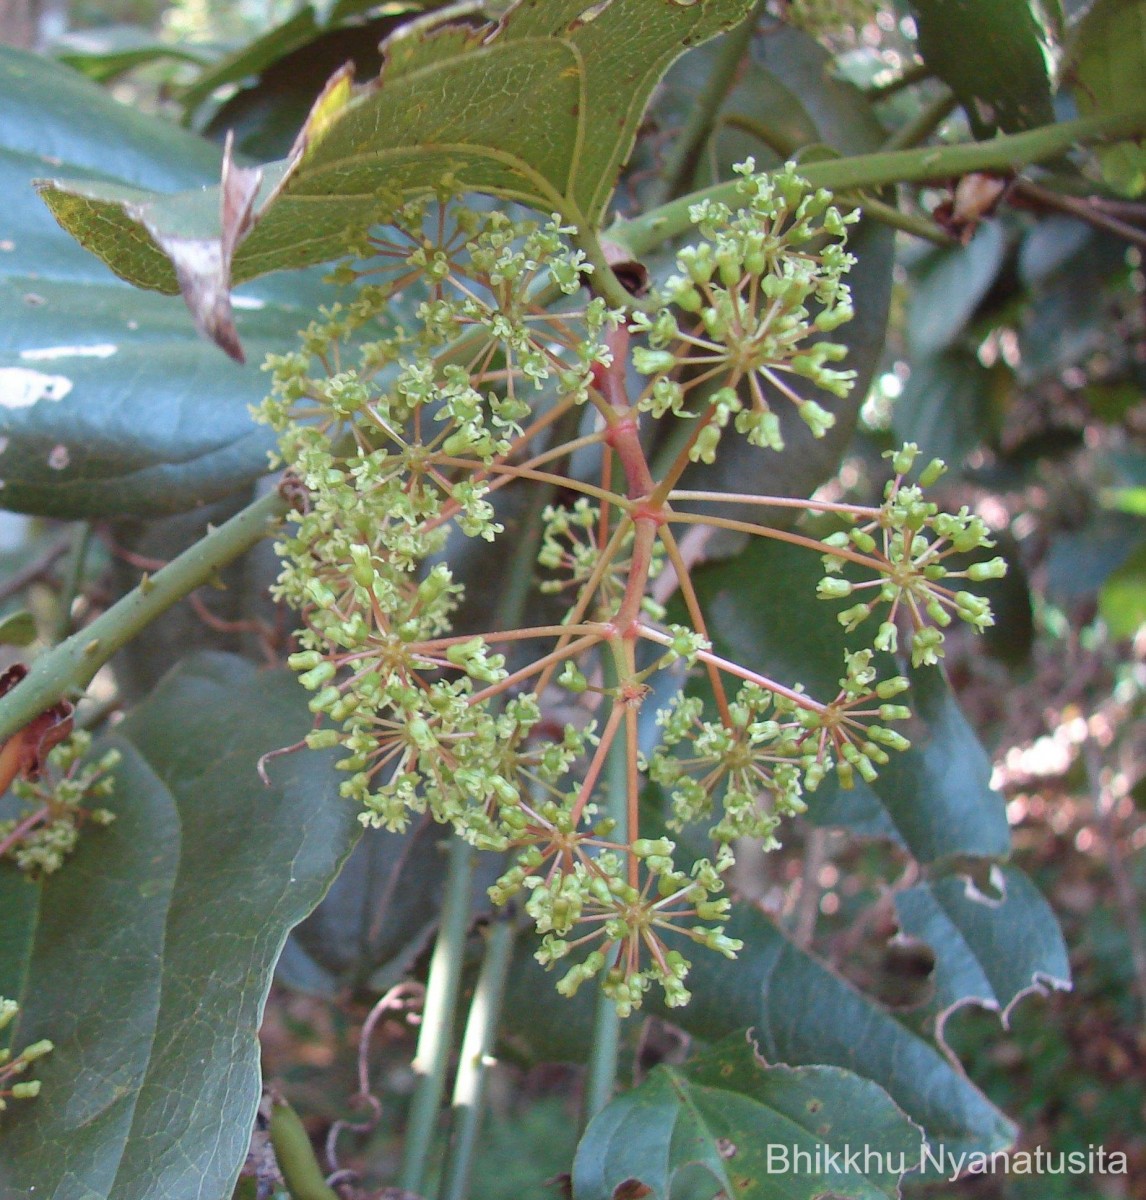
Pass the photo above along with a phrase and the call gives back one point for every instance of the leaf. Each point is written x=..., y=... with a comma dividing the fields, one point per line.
x=752, y=1128
x=1122, y=600
x=383, y=908
x=993, y=56
x=18, y=629
x=543, y=109
x=147, y=959
x=282, y=76
x=1107, y=62
x=989, y=952
x=936, y=796
x=948, y=285
x=945, y=406
x=800, y=1013
x=109, y=403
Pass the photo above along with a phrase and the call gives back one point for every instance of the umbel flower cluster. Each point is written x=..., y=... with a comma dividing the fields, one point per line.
x=12, y=1067
x=474, y=390
x=57, y=804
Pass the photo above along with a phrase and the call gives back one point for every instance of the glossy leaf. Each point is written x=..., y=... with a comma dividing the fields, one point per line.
x=989, y=950
x=755, y=1130
x=147, y=959
x=936, y=796
x=1107, y=64
x=947, y=287
x=1006, y=88
x=543, y=109
x=945, y=406
x=109, y=402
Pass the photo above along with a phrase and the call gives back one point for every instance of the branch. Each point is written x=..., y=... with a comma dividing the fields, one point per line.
x=68, y=668
x=1007, y=153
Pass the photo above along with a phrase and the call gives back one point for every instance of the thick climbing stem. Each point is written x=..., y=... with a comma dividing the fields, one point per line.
x=1009, y=152
x=68, y=668
x=435, y=1042
x=478, y=1044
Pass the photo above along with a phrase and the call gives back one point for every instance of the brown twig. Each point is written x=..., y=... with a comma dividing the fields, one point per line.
x=38, y=567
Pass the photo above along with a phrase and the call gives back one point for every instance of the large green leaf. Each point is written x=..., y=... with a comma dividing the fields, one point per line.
x=989, y=950
x=109, y=402
x=756, y=1131
x=542, y=109
x=147, y=959
x=948, y=285
x=936, y=796
x=1107, y=63
x=993, y=56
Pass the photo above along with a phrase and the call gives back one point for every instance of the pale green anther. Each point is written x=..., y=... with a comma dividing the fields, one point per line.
x=304, y=660
x=817, y=418
x=851, y=617
x=889, y=737
x=697, y=262
x=904, y=458
x=571, y=679
x=887, y=639
x=325, y=699
x=647, y=847
x=938, y=613
x=931, y=473
x=323, y=739
x=363, y=570
x=704, y=448
x=36, y=1050
x=834, y=588
x=323, y=673
x=994, y=568
x=653, y=362
x=320, y=593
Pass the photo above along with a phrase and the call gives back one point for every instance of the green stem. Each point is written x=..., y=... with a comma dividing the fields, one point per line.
x=916, y=73
x=601, y=1072
x=681, y=165
x=295, y=1155
x=924, y=123
x=73, y=578
x=478, y=1045
x=1008, y=152
x=68, y=668
x=439, y=1014
x=896, y=218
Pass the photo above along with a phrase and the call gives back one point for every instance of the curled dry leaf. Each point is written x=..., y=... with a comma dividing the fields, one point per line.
x=23, y=754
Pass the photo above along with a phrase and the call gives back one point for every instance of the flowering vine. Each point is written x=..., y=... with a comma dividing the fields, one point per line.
x=508, y=372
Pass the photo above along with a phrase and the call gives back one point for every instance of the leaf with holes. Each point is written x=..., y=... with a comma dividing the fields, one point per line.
x=989, y=950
